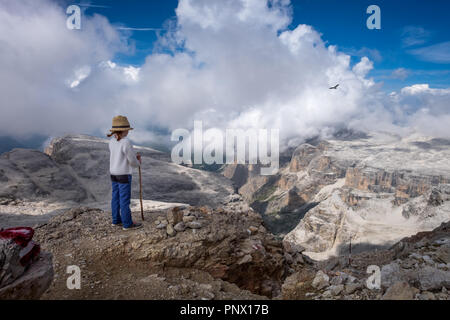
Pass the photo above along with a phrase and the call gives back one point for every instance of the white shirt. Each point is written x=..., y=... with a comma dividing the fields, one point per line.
x=122, y=157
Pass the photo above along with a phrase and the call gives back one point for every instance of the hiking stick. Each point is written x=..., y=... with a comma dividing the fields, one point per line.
x=140, y=193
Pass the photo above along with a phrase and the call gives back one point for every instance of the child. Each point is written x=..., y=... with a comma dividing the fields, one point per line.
x=122, y=159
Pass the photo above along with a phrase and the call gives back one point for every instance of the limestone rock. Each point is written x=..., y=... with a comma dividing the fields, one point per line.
x=188, y=219
x=336, y=289
x=162, y=225
x=194, y=225
x=10, y=266
x=400, y=291
x=427, y=295
x=352, y=287
x=341, y=278
x=180, y=227
x=288, y=258
x=175, y=216
x=327, y=294
x=443, y=254
x=33, y=283
x=253, y=229
x=245, y=259
x=431, y=278
x=170, y=230
x=296, y=285
x=321, y=280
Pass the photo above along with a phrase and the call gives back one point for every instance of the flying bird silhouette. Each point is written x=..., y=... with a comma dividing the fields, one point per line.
x=335, y=87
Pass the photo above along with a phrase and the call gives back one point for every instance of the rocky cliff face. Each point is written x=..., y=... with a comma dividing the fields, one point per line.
x=369, y=190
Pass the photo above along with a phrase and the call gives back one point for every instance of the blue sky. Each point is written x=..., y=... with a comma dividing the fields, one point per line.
x=411, y=47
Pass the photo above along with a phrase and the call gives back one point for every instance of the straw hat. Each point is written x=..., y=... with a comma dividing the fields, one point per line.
x=120, y=123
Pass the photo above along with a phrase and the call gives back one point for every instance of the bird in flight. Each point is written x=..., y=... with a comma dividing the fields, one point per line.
x=335, y=87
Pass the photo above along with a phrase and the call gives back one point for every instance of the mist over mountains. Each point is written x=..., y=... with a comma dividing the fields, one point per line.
x=7, y=143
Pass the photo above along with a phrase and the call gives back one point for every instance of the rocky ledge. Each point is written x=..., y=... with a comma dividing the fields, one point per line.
x=225, y=248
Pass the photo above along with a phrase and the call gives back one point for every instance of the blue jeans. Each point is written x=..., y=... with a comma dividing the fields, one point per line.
x=120, y=203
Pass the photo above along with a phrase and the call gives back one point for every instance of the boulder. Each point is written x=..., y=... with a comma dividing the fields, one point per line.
x=170, y=230
x=427, y=295
x=180, y=227
x=341, y=278
x=245, y=259
x=187, y=219
x=321, y=280
x=336, y=290
x=253, y=229
x=443, y=254
x=162, y=225
x=194, y=225
x=352, y=287
x=288, y=258
x=296, y=285
x=33, y=283
x=175, y=215
x=428, y=277
x=400, y=291
x=10, y=266
x=431, y=278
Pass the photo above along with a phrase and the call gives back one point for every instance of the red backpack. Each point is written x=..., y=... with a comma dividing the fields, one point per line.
x=22, y=236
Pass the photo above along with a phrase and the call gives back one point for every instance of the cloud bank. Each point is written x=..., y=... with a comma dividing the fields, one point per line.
x=231, y=64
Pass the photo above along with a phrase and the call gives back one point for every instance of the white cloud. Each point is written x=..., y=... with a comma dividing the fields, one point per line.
x=400, y=73
x=241, y=67
x=423, y=109
x=414, y=35
x=363, y=67
x=131, y=73
x=438, y=53
x=40, y=60
x=424, y=89
x=79, y=75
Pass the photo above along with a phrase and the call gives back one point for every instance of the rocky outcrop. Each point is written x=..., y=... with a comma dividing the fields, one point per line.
x=228, y=243
x=33, y=283
x=25, y=272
